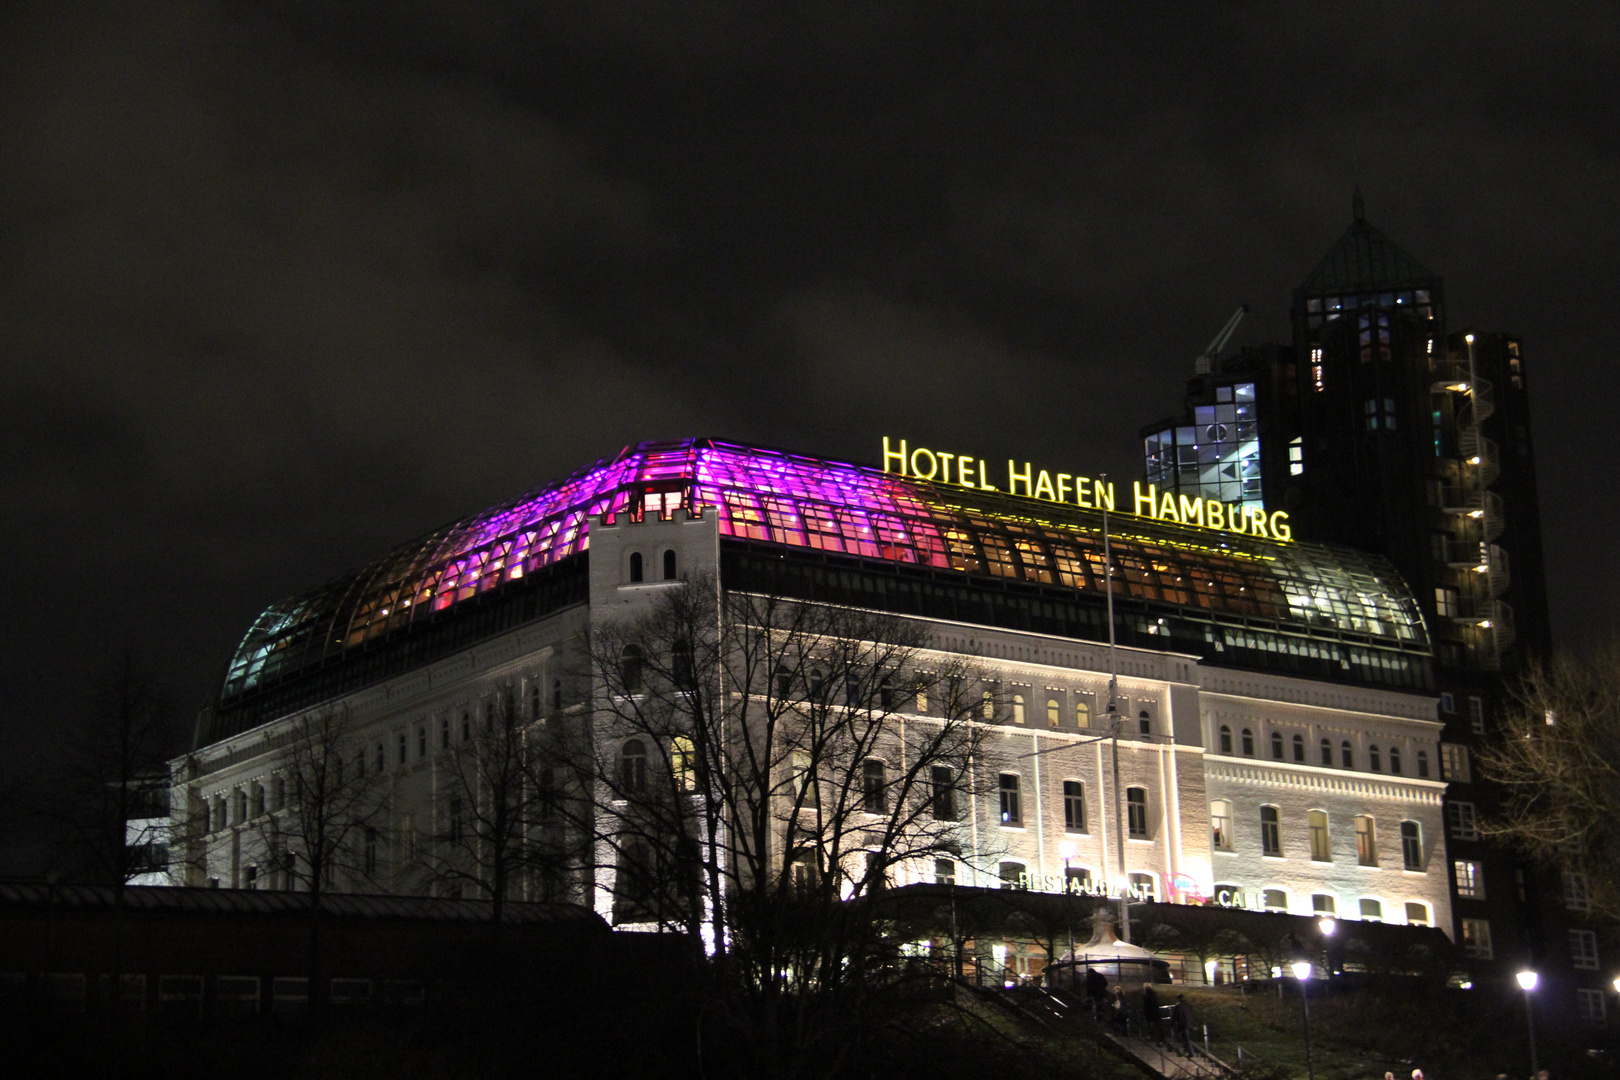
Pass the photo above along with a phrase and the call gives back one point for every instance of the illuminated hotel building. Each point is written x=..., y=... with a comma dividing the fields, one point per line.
x=1279, y=746
x=1382, y=428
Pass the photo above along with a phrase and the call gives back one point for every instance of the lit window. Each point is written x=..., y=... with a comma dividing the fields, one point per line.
x=1583, y=949
x=1270, y=831
x=1296, y=457
x=1576, y=898
x=988, y=707
x=1470, y=879
x=1411, y=845
x=1018, y=708
x=805, y=789
x=1082, y=714
x=1366, y=841
x=1417, y=914
x=1136, y=811
x=1274, y=900
x=1454, y=762
x=1476, y=939
x=1464, y=822
x=872, y=787
x=1220, y=823
x=683, y=763
x=1320, y=851
x=1589, y=1003
x=1074, y=806
x=1011, y=812
x=1372, y=911
x=1053, y=717
x=1322, y=906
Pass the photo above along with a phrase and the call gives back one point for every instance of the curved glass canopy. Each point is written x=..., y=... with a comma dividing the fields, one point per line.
x=774, y=496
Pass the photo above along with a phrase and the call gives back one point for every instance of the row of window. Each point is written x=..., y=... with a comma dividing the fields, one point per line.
x=1321, y=848
x=1325, y=905
x=637, y=570
x=1583, y=945
x=1346, y=756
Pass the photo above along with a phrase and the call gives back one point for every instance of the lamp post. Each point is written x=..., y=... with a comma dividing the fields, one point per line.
x=1527, y=983
x=1068, y=850
x=1120, y=823
x=1327, y=925
x=1302, y=972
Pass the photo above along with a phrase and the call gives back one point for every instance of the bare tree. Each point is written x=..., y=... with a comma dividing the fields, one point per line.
x=759, y=768
x=1559, y=761
x=495, y=815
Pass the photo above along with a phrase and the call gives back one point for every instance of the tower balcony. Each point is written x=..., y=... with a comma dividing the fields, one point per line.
x=1487, y=625
x=1453, y=377
x=1483, y=509
x=1482, y=454
x=1482, y=568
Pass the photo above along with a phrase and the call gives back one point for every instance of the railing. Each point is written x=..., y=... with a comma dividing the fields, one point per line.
x=1482, y=507
x=1483, y=567
x=1480, y=452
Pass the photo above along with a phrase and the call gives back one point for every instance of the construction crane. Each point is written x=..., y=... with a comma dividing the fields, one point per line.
x=1206, y=360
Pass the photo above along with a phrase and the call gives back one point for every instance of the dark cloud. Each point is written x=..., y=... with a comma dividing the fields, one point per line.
x=282, y=284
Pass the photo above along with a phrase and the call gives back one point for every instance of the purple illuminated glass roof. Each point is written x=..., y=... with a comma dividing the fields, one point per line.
x=777, y=497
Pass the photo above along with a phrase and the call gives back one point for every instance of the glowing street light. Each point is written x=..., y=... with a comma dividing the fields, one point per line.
x=1528, y=981
x=1302, y=972
x=1327, y=926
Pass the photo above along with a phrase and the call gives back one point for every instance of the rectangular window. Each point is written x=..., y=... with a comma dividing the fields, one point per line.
x=872, y=798
x=942, y=795
x=1464, y=823
x=1470, y=879
x=1411, y=845
x=1270, y=831
x=1074, y=806
x=1144, y=886
x=1417, y=914
x=1220, y=821
x=1576, y=898
x=1448, y=704
x=1372, y=911
x=1014, y=875
x=1319, y=836
x=1589, y=1003
x=1476, y=939
x=1583, y=949
x=1454, y=763
x=1366, y=841
x=944, y=871
x=1136, y=812
x=1476, y=715
x=1011, y=812
x=1322, y=906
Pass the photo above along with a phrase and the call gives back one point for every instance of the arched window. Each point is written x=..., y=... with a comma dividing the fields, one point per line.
x=1226, y=739
x=1274, y=900
x=1327, y=752
x=1276, y=746
x=1136, y=813
x=1299, y=749
x=1144, y=723
x=1372, y=910
x=1347, y=754
x=1411, y=845
x=1270, y=831
x=1053, y=717
x=1018, y=708
x=444, y=733
x=1220, y=824
x=1423, y=764
x=1366, y=841
x=1318, y=821
x=1374, y=762
x=988, y=709
x=635, y=567
x=683, y=763
x=1074, y=806
x=633, y=766
x=1082, y=714
x=1395, y=760
x=669, y=564
x=1248, y=743
x=1323, y=906
x=1417, y=913
x=630, y=669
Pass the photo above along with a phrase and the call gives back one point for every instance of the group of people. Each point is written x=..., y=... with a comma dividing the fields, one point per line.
x=1109, y=1004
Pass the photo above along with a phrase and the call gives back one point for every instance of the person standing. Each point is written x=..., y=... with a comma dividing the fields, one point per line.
x=1150, y=1008
x=1181, y=1022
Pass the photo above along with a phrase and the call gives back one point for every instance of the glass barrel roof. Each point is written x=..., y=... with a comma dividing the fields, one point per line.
x=774, y=496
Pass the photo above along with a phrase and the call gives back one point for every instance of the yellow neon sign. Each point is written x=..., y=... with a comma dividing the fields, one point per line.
x=1072, y=489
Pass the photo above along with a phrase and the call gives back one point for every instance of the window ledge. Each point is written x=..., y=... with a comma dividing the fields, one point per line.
x=1140, y=840
x=1275, y=858
x=1369, y=866
x=1224, y=851
x=1012, y=828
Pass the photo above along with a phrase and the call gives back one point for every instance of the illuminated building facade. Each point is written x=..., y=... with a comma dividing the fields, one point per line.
x=1279, y=747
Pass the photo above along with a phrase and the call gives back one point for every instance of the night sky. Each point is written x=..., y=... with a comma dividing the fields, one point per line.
x=285, y=284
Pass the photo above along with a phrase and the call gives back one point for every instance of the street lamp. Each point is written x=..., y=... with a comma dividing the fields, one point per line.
x=1527, y=983
x=1068, y=850
x=1327, y=924
x=1302, y=972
